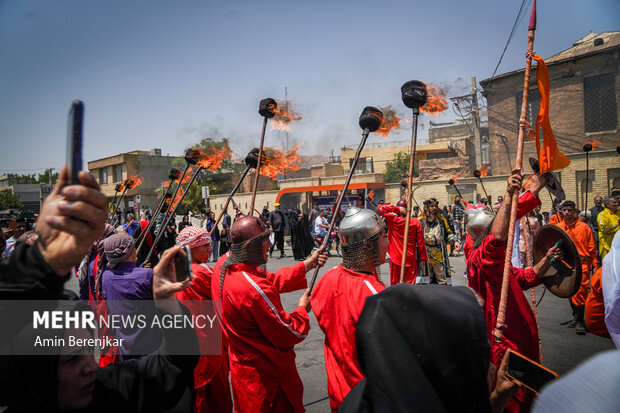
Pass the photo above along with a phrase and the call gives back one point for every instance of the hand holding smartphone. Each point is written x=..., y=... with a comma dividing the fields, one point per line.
x=529, y=373
x=183, y=264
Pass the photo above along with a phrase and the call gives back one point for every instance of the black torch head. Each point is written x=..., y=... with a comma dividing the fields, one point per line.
x=451, y=182
x=587, y=147
x=192, y=156
x=251, y=159
x=404, y=183
x=118, y=187
x=414, y=94
x=266, y=108
x=371, y=118
x=477, y=173
x=174, y=174
x=618, y=149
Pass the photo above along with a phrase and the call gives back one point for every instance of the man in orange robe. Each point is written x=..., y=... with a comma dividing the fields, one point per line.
x=582, y=236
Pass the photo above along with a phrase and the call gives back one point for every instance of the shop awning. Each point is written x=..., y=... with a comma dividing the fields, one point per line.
x=337, y=187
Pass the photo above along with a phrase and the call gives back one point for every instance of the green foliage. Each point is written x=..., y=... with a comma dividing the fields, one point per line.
x=44, y=178
x=398, y=168
x=8, y=200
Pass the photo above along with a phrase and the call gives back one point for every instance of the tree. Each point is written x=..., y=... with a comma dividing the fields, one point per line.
x=9, y=200
x=44, y=178
x=398, y=168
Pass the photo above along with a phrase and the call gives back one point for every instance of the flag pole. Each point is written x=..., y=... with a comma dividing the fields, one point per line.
x=501, y=316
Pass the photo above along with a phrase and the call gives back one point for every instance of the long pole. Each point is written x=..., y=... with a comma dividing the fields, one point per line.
x=119, y=202
x=171, y=212
x=142, y=236
x=457, y=190
x=484, y=189
x=113, y=199
x=341, y=196
x=501, y=316
x=225, y=207
x=414, y=136
x=585, y=205
x=260, y=156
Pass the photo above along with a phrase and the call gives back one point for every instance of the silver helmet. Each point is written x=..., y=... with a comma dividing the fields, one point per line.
x=478, y=222
x=359, y=225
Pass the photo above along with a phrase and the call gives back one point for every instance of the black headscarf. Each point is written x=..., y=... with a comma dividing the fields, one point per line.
x=422, y=349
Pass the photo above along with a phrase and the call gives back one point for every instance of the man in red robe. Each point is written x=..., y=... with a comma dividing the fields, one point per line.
x=261, y=335
x=395, y=217
x=340, y=295
x=582, y=237
x=211, y=385
x=485, y=273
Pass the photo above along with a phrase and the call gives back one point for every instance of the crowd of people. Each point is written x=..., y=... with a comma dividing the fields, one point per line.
x=398, y=348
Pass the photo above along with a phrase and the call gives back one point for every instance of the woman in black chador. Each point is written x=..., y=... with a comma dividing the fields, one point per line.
x=300, y=236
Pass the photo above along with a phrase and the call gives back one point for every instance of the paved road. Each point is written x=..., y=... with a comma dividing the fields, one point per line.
x=562, y=348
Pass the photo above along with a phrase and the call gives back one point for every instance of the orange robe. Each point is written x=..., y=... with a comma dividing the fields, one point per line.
x=555, y=219
x=582, y=236
x=595, y=306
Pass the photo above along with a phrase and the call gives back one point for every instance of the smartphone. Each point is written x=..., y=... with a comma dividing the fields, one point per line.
x=529, y=373
x=183, y=264
x=74, y=139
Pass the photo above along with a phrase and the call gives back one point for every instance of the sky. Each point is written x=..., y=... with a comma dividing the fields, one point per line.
x=165, y=74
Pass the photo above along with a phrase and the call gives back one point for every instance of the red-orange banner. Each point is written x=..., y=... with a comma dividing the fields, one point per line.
x=549, y=157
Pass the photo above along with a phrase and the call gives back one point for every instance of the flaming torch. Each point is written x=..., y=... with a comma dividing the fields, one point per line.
x=210, y=160
x=266, y=109
x=414, y=95
x=370, y=120
x=173, y=175
x=251, y=161
x=118, y=188
x=130, y=183
x=478, y=174
x=452, y=182
x=587, y=148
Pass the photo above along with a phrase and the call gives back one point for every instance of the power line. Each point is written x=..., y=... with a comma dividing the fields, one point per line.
x=517, y=22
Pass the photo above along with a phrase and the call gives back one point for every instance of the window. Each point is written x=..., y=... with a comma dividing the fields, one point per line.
x=533, y=104
x=599, y=100
x=103, y=176
x=441, y=155
x=364, y=166
x=118, y=173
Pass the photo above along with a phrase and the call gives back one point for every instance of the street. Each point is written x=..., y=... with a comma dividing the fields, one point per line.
x=562, y=348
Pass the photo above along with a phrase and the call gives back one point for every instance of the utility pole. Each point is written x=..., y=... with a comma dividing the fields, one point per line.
x=476, y=118
x=50, y=176
x=288, y=109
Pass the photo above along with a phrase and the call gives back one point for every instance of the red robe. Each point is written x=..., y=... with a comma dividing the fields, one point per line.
x=527, y=203
x=337, y=302
x=212, y=389
x=261, y=335
x=396, y=236
x=485, y=268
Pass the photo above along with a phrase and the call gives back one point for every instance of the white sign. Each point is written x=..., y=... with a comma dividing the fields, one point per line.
x=138, y=199
x=205, y=192
x=130, y=204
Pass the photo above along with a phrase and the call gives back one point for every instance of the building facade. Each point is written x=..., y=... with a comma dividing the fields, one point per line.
x=151, y=167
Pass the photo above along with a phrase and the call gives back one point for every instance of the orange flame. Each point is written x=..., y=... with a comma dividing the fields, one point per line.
x=456, y=179
x=278, y=162
x=594, y=143
x=484, y=171
x=132, y=182
x=371, y=195
x=390, y=121
x=177, y=199
x=285, y=116
x=211, y=158
x=436, y=101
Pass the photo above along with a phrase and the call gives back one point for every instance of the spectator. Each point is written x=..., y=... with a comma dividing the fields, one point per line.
x=185, y=223
x=608, y=224
x=225, y=233
x=2, y=246
x=215, y=236
x=122, y=284
x=301, y=238
x=320, y=225
x=265, y=214
x=131, y=225
x=19, y=227
x=313, y=214
x=277, y=224
x=457, y=217
x=169, y=237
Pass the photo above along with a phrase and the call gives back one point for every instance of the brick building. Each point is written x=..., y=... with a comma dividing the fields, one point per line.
x=584, y=96
x=151, y=166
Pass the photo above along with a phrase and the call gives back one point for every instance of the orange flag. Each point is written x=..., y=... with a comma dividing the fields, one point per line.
x=549, y=157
